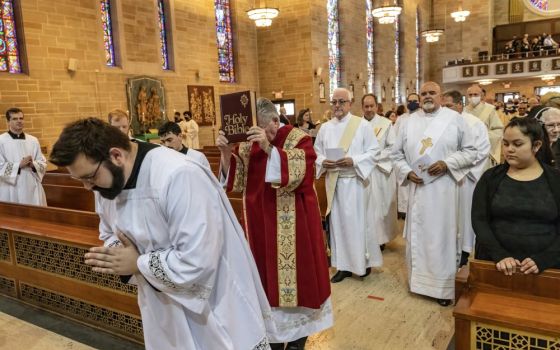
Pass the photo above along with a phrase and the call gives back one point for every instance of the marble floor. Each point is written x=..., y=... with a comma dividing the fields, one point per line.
x=376, y=313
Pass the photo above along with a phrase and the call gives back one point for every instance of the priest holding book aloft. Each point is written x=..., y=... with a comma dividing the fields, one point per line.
x=434, y=151
x=274, y=170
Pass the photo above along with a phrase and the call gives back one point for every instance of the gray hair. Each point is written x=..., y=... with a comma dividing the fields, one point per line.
x=549, y=112
x=266, y=111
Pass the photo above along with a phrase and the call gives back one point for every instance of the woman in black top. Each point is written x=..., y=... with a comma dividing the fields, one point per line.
x=516, y=205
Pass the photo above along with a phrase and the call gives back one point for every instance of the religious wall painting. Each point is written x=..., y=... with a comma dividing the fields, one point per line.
x=501, y=68
x=517, y=67
x=535, y=66
x=201, y=104
x=556, y=63
x=146, y=103
x=322, y=97
x=482, y=70
x=468, y=72
x=351, y=89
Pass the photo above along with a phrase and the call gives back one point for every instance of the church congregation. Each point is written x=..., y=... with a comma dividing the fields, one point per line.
x=289, y=190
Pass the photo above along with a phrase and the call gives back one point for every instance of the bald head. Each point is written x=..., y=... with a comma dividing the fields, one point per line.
x=341, y=102
x=474, y=94
x=430, y=97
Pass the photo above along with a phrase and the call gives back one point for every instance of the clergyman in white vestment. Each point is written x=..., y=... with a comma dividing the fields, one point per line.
x=22, y=165
x=347, y=152
x=434, y=152
x=383, y=198
x=175, y=232
x=453, y=100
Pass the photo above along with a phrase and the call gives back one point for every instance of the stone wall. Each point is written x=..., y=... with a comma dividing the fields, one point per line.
x=55, y=31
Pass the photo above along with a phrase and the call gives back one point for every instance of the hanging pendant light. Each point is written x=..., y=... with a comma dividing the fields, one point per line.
x=263, y=16
x=432, y=35
x=460, y=15
x=386, y=14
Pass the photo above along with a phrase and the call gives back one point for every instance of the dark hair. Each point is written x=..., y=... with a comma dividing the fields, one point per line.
x=388, y=114
x=370, y=95
x=455, y=95
x=169, y=127
x=299, y=119
x=536, y=132
x=177, y=113
x=401, y=110
x=91, y=137
x=10, y=111
x=188, y=113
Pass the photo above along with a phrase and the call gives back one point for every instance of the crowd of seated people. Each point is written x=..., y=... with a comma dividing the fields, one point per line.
x=537, y=46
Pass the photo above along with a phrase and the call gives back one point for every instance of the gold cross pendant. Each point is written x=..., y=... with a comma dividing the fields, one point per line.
x=426, y=143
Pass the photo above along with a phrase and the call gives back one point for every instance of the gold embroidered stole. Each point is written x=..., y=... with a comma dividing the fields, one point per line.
x=344, y=143
x=286, y=221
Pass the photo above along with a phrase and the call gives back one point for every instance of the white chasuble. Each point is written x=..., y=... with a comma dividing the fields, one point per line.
x=402, y=190
x=433, y=209
x=198, y=286
x=383, y=197
x=353, y=246
x=17, y=185
x=192, y=134
x=467, y=185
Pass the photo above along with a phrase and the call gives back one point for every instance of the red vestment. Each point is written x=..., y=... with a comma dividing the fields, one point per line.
x=283, y=221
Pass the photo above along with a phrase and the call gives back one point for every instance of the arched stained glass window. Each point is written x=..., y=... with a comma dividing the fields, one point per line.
x=9, y=50
x=108, y=33
x=370, y=46
x=162, y=24
x=224, y=41
x=540, y=4
x=417, y=49
x=397, y=61
x=333, y=44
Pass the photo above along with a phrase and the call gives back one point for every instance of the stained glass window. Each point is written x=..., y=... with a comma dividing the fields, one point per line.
x=397, y=61
x=333, y=44
x=108, y=33
x=224, y=40
x=418, y=49
x=370, y=53
x=9, y=51
x=540, y=4
x=163, y=35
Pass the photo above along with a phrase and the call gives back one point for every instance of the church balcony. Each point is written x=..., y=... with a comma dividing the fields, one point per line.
x=500, y=67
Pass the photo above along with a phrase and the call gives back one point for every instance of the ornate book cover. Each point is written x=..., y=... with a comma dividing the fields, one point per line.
x=238, y=112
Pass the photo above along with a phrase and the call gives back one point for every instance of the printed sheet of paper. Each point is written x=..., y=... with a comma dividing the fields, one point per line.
x=420, y=168
x=334, y=154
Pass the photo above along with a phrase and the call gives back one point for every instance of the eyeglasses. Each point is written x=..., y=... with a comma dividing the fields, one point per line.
x=88, y=178
x=552, y=126
x=339, y=102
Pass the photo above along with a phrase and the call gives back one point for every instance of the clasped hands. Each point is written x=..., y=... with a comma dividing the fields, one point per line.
x=26, y=162
x=436, y=169
x=345, y=162
x=509, y=265
x=117, y=260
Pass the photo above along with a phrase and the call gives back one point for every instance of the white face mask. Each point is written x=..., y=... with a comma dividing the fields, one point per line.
x=475, y=100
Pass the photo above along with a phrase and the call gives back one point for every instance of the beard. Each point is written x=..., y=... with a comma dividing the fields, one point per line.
x=117, y=184
x=428, y=107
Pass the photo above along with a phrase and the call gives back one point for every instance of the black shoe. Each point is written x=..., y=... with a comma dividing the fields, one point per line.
x=276, y=346
x=401, y=215
x=444, y=302
x=368, y=271
x=340, y=275
x=464, y=258
x=297, y=344
x=382, y=247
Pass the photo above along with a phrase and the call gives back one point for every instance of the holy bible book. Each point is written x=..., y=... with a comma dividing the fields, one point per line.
x=239, y=114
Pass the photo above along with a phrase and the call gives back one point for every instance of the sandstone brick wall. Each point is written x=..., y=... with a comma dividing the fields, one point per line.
x=55, y=31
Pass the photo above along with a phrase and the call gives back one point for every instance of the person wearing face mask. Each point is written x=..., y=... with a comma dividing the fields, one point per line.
x=176, y=234
x=487, y=114
x=516, y=205
x=412, y=105
x=551, y=120
x=434, y=151
x=274, y=171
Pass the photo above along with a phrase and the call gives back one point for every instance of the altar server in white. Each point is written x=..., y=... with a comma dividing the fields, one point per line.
x=176, y=233
x=453, y=100
x=347, y=151
x=22, y=165
x=434, y=152
x=383, y=198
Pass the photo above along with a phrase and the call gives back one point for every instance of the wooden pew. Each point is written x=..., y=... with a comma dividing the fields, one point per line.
x=69, y=197
x=42, y=263
x=507, y=311
x=60, y=179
